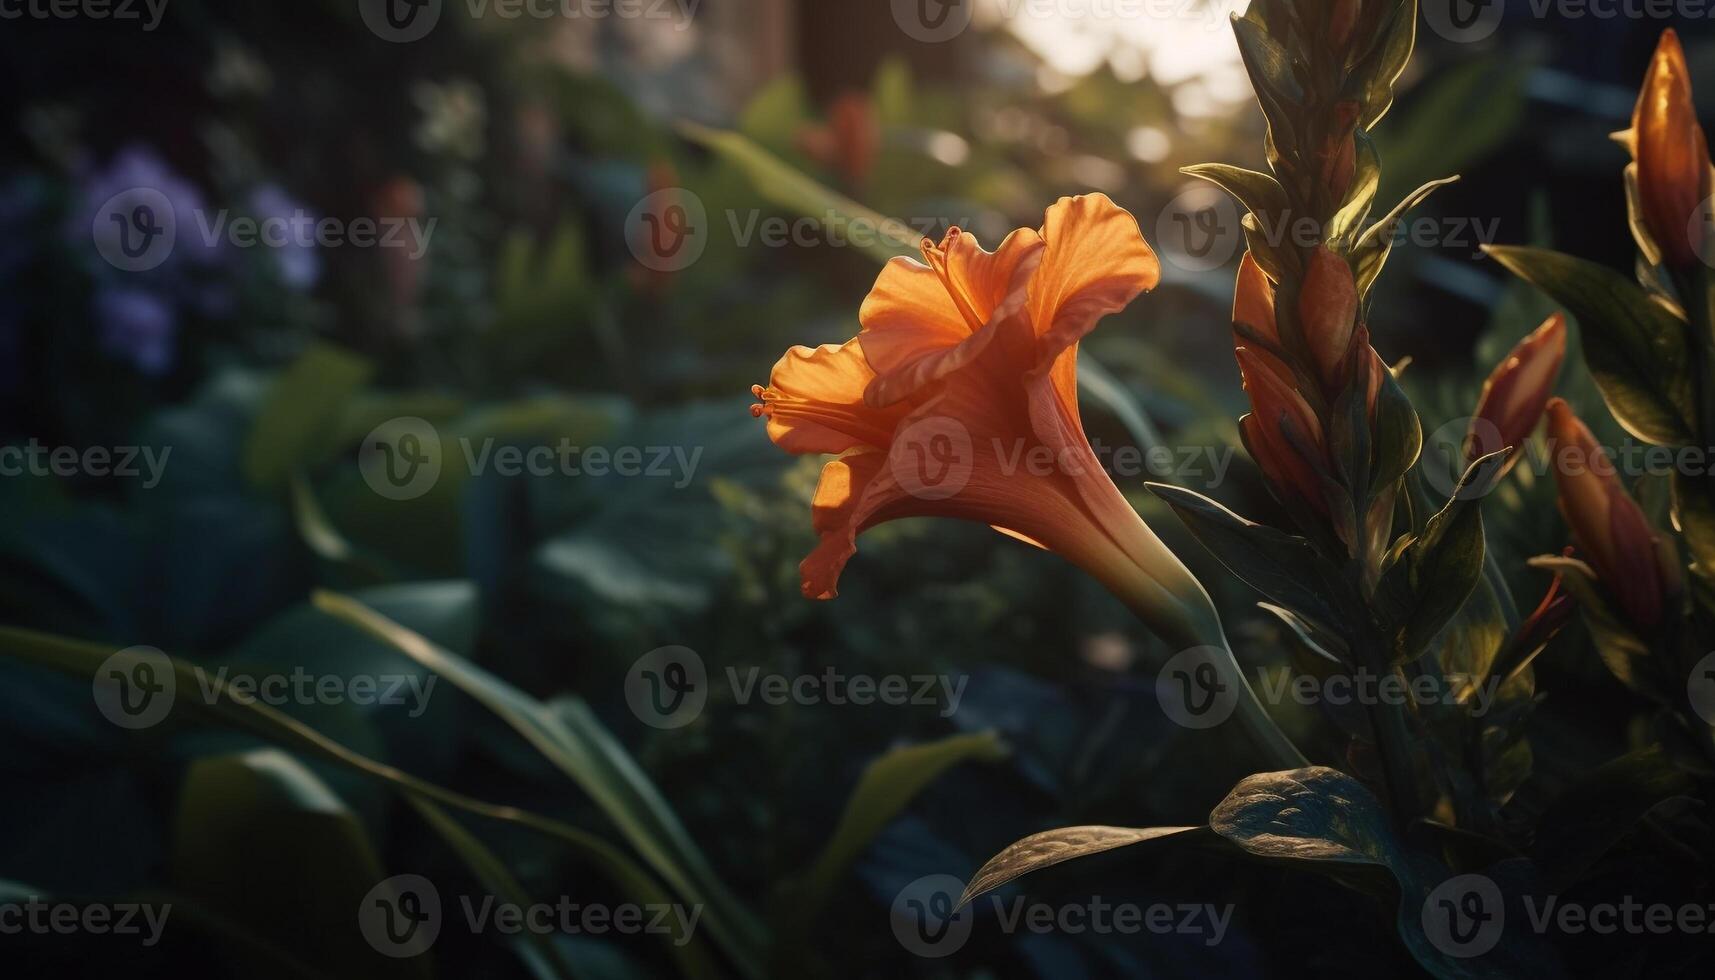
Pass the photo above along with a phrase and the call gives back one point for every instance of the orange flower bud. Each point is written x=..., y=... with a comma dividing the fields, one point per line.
x=1517, y=392
x=849, y=142
x=1280, y=428
x=1608, y=526
x=1339, y=157
x=1328, y=312
x=1672, y=156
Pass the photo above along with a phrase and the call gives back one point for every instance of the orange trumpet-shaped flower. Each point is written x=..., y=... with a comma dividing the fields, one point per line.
x=1607, y=524
x=959, y=399
x=1516, y=393
x=1672, y=157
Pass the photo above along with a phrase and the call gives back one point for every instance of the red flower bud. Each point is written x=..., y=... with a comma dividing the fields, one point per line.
x=1608, y=526
x=849, y=142
x=1281, y=429
x=1517, y=392
x=1673, y=177
x=1338, y=158
x=1328, y=313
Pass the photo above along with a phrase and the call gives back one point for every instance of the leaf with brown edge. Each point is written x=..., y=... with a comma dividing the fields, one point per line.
x=1053, y=847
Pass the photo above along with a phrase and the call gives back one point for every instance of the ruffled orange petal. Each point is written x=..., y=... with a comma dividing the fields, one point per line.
x=1095, y=264
x=814, y=401
x=972, y=276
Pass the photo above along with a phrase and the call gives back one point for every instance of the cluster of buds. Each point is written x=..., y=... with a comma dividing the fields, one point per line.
x=1669, y=179
x=1294, y=383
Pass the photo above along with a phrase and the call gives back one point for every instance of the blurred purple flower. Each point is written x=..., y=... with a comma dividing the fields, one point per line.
x=137, y=325
x=140, y=167
x=299, y=265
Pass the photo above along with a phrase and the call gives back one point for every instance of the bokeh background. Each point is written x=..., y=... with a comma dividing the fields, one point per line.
x=537, y=315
